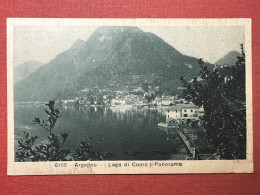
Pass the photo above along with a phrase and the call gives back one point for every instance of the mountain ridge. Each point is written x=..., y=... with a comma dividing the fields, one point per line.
x=25, y=69
x=229, y=59
x=112, y=57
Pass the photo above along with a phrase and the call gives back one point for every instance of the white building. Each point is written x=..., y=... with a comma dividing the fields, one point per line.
x=184, y=111
x=189, y=110
x=174, y=112
x=166, y=101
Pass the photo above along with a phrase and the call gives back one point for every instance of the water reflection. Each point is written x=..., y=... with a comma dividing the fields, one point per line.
x=123, y=133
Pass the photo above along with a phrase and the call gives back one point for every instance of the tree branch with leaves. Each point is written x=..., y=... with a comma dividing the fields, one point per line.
x=221, y=93
x=53, y=149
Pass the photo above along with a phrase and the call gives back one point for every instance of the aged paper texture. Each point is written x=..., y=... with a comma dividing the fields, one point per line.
x=129, y=96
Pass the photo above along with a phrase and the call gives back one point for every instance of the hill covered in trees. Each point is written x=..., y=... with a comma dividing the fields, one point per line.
x=116, y=58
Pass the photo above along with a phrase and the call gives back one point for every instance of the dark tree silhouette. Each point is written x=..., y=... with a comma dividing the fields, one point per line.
x=53, y=149
x=221, y=93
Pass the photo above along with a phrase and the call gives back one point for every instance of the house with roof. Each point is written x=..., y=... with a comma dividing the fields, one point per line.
x=184, y=111
x=189, y=110
x=173, y=112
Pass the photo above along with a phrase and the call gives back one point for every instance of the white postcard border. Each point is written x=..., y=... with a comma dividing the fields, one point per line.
x=129, y=167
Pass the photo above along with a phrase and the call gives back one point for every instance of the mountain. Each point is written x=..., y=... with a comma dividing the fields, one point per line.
x=23, y=70
x=229, y=59
x=113, y=58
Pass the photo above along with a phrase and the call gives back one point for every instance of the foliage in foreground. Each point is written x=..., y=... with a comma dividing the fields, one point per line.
x=53, y=148
x=221, y=93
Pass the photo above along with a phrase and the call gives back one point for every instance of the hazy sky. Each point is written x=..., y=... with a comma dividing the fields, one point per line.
x=44, y=43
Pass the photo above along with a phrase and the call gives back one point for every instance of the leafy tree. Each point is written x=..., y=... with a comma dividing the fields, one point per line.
x=221, y=93
x=53, y=115
x=85, y=151
x=52, y=149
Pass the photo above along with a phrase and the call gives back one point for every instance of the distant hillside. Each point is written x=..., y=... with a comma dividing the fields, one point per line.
x=113, y=58
x=23, y=70
x=229, y=59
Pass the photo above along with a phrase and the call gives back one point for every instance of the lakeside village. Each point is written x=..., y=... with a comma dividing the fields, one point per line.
x=183, y=118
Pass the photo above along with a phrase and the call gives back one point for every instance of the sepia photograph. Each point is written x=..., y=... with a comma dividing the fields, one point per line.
x=120, y=96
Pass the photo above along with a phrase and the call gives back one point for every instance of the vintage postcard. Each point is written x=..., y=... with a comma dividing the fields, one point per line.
x=129, y=96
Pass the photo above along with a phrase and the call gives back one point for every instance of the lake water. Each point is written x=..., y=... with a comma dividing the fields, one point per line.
x=124, y=134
